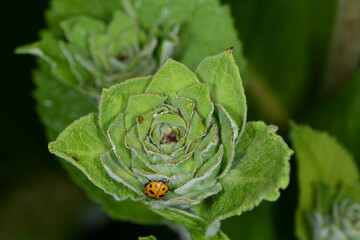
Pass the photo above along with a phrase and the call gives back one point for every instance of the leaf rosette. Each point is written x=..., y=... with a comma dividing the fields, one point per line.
x=171, y=132
x=337, y=213
x=96, y=54
x=187, y=130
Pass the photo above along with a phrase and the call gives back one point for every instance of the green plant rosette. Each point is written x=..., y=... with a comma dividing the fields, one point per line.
x=329, y=187
x=188, y=130
x=95, y=54
x=336, y=214
x=96, y=47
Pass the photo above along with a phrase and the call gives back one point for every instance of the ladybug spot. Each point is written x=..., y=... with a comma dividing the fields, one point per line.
x=163, y=189
x=150, y=186
x=161, y=195
x=151, y=192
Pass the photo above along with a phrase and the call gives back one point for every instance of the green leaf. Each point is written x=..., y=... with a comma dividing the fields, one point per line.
x=222, y=73
x=50, y=51
x=115, y=99
x=200, y=95
x=78, y=30
x=140, y=104
x=201, y=33
x=228, y=134
x=58, y=104
x=259, y=170
x=147, y=238
x=113, y=167
x=172, y=76
x=82, y=144
x=63, y=9
x=209, y=30
x=125, y=210
x=320, y=158
x=196, y=226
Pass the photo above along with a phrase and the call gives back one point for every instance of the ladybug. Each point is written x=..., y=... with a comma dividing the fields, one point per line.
x=156, y=189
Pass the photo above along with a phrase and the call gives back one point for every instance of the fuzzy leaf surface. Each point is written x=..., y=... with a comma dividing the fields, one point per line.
x=222, y=73
x=259, y=170
x=82, y=143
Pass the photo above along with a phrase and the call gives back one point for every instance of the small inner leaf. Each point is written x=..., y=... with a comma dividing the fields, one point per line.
x=78, y=29
x=115, y=99
x=197, y=129
x=172, y=76
x=140, y=104
x=186, y=107
x=200, y=95
x=117, y=134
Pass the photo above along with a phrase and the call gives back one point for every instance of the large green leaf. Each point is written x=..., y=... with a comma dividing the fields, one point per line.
x=208, y=31
x=222, y=73
x=126, y=210
x=260, y=169
x=82, y=144
x=320, y=158
x=50, y=51
x=57, y=103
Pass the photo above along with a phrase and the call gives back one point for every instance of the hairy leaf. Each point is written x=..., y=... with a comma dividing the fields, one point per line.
x=260, y=169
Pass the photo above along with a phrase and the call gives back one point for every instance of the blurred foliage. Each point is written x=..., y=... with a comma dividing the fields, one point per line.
x=320, y=158
x=340, y=115
x=286, y=44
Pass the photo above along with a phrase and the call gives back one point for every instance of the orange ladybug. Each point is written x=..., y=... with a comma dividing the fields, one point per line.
x=156, y=189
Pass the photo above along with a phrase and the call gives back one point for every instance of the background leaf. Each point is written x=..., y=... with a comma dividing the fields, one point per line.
x=319, y=158
x=206, y=27
x=58, y=104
